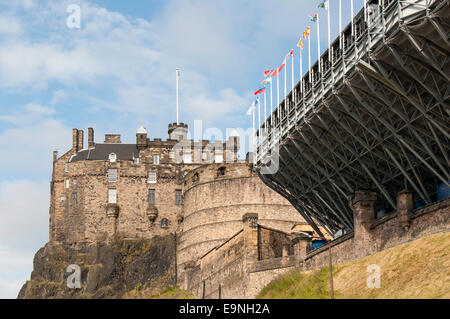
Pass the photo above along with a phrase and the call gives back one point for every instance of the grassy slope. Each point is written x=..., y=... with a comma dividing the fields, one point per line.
x=167, y=293
x=417, y=269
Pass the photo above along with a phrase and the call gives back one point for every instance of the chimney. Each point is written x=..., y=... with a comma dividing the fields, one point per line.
x=75, y=140
x=141, y=138
x=80, y=139
x=112, y=138
x=91, y=143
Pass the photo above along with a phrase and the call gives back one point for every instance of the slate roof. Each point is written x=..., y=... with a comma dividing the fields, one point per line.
x=101, y=152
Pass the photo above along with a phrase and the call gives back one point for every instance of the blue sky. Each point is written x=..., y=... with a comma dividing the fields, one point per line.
x=116, y=72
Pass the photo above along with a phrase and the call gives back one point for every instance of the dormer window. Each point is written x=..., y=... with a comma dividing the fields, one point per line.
x=112, y=157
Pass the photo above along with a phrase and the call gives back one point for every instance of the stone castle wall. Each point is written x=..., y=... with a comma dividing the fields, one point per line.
x=381, y=234
x=255, y=255
x=241, y=266
x=216, y=196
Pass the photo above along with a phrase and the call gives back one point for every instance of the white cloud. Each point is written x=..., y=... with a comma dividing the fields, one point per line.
x=9, y=26
x=15, y=266
x=38, y=109
x=26, y=148
x=59, y=96
x=23, y=230
x=30, y=113
x=24, y=210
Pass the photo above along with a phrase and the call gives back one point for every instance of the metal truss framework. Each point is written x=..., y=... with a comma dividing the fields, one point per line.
x=377, y=119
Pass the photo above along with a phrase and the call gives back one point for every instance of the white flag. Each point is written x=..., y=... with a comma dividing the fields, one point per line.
x=250, y=110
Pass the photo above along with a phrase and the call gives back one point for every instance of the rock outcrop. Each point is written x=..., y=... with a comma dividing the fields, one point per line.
x=108, y=270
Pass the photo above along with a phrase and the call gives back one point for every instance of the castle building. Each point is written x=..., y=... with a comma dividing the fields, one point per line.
x=199, y=190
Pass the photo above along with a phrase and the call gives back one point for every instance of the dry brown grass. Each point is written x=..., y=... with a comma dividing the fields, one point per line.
x=417, y=269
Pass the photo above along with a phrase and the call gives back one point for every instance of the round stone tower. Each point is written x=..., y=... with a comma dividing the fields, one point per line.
x=178, y=131
x=216, y=196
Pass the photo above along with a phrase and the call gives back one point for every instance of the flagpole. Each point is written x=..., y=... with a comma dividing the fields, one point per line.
x=285, y=81
x=253, y=135
x=292, y=71
x=318, y=43
x=352, y=9
x=259, y=120
x=176, y=79
x=278, y=90
x=265, y=112
x=309, y=57
x=301, y=71
x=271, y=96
x=330, y=56
x=340, y=24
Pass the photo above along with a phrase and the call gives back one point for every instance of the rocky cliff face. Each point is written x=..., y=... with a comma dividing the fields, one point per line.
x=108, y=270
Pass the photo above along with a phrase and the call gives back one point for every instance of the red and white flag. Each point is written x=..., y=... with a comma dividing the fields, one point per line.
x=291, y=53
x=267, y=73
x=282, y=66
x=274, y=72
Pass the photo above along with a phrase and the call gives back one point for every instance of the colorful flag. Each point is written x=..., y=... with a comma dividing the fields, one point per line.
x=259, y=91
x=291, y=53
x=252, y=107
x=300, y=43
x=313, y=17
x=267, y=73
x=306, y=32
x=275, y=72
x=323, y=4
x=266, y=81
x=282, y=66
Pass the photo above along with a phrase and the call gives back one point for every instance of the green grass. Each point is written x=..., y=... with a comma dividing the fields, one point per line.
x=172, y=293
x=298, y=285
x=417, y=269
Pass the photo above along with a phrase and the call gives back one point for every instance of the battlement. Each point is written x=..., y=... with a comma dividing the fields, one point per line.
x=178, y=131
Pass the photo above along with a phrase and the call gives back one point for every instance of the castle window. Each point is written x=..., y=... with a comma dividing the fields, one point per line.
x=178, y=197
x=187, y=158
x=74, y=181
x=112, y=158
x=195, y=178
x=112, y=175
x=112, y=196
x=218, y=158
x=151, y=196
x=62, y=199
x=74, y=198
x=165, y=223
x=151, y=177
x=221, y=171
x=66, y=168
x=155, y=159
x=67, y=183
